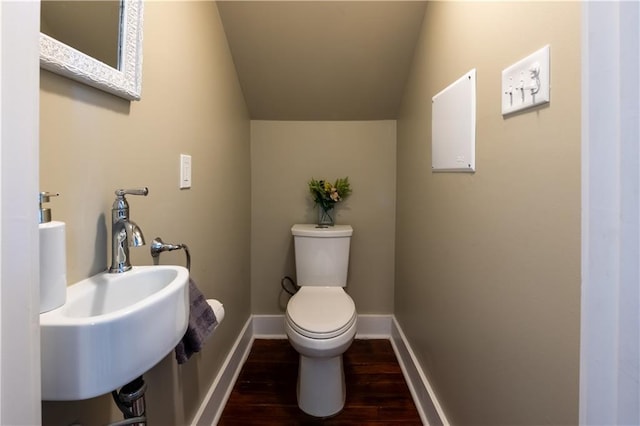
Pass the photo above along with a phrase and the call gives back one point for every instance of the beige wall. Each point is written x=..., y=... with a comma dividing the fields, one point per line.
x=285, y=155
x=488, y=264
x=93, y=143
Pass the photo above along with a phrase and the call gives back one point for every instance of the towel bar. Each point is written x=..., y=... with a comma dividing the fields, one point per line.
x=158, y=246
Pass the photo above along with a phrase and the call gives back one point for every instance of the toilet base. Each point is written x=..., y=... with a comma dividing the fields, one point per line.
x=321, y=386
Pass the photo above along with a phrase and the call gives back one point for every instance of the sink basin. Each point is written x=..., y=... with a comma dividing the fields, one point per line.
x=112, y=328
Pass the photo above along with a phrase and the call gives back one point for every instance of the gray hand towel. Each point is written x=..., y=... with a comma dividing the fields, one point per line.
x=202, y=321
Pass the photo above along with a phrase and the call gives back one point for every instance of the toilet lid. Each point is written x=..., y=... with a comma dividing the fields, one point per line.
x=321, y=312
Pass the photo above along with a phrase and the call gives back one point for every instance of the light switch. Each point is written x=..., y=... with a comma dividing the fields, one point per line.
x=526, y=83
x=185, y=171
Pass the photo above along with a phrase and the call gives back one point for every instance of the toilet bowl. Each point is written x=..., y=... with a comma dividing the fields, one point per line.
x=321, y=325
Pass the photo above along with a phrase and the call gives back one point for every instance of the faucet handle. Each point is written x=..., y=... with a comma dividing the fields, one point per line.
x=120, y=205
x=136, y=191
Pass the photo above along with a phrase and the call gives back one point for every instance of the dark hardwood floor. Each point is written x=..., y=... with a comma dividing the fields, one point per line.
x=265, y=392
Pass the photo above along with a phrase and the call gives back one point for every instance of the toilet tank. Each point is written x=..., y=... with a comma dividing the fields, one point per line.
x=322, y=254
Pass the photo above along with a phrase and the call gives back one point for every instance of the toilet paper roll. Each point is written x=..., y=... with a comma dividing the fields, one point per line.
x=218, y=309
x=53, y=266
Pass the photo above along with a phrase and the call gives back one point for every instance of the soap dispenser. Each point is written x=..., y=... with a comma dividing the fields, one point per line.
x=53, y=260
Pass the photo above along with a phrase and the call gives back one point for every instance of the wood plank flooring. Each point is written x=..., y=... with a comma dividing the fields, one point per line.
x=265, y=392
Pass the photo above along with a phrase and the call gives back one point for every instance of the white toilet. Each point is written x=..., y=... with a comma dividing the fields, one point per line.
x=321, y=317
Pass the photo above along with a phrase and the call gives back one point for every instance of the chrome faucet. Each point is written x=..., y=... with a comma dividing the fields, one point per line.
x=124, y=232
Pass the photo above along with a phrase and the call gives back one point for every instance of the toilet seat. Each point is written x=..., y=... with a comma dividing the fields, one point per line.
x=321, y=312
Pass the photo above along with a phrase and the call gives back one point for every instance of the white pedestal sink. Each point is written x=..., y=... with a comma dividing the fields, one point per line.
x=113, y=328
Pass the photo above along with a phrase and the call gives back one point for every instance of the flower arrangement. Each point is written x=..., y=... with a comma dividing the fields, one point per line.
x=326, y=195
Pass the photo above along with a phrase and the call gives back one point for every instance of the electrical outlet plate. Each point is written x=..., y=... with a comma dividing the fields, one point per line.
x=526, y=83
x=185, y=171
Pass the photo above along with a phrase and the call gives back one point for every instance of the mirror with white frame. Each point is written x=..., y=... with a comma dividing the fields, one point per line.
x=118, y=72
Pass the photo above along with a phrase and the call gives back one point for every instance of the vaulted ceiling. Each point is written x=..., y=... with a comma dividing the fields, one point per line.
x=322, y=60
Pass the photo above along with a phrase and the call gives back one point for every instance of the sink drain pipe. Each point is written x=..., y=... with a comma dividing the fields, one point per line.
x=130, y=400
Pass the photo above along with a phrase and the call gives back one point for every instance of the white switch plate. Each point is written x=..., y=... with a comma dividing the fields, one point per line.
x=525, y=84
x=185, y=171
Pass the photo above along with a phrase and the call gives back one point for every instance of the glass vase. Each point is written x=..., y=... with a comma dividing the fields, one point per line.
x=325, y=219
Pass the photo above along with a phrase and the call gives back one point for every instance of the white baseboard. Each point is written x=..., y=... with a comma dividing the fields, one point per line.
x=268, y=327
x=272, y=327
x=369, y=327
x=213, y=404
x=374, y=326
x=423, y=395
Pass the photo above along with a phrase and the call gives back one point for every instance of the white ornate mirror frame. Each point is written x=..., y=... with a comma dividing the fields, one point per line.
x=125, y=82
